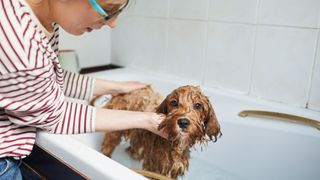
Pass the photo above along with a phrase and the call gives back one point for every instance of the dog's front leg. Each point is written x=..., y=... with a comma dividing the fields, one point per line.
x=179, y=163
x=110, y=142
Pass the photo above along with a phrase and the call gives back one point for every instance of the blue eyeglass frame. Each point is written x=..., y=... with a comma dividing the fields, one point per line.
x=103, y=12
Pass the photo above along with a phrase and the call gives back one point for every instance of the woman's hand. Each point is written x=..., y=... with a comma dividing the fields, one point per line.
x=154, y=123
x=115, y=88
x=123, y=87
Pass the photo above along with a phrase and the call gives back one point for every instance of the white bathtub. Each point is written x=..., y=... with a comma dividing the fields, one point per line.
x=251, y=148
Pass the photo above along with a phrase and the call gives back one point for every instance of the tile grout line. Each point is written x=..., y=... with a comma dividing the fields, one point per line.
x=232, y=22
x=255, y=34
x=317, y=45
x=206, y=46
x=166, y=44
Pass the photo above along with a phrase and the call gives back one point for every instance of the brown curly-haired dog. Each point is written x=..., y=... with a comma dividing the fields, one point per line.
x=190, y=119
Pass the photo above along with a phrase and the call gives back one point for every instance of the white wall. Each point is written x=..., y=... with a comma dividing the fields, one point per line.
x=263, y=48
x=92, y=48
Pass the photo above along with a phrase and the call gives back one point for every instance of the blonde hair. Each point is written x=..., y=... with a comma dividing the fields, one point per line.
x=103, y=2
x=117, y=1
x=113, y=2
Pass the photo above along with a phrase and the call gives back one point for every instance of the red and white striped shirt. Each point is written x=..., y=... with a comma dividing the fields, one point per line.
x=33, y=85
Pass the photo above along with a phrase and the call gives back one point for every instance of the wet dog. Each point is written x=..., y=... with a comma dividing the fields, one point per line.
x=190, y=119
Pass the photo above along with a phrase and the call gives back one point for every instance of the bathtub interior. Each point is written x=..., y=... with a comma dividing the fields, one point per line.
x=250, y=148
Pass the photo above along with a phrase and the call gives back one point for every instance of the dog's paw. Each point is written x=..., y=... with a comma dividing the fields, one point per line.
x=107, y=151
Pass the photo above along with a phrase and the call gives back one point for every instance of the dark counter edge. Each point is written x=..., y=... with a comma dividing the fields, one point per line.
x=99, y=68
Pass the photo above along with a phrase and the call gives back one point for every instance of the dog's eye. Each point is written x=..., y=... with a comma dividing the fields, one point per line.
x=174, y=103
x=197, y=106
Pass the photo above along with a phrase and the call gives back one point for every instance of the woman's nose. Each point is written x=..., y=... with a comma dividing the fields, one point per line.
x=112, y=22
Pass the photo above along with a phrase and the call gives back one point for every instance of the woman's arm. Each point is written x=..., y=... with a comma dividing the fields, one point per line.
x=114, y=88
x=80, y=86
x=113, y=120
x=77, y=86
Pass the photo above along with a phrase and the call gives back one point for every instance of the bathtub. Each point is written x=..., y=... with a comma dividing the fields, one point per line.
x=251, y=148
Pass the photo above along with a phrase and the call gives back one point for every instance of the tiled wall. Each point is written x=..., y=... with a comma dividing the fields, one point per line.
x=268, y=49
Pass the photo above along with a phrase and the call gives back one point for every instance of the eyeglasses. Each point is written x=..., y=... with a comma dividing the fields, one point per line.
x=114, y=11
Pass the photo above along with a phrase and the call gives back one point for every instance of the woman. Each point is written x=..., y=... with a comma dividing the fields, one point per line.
x=33, y=86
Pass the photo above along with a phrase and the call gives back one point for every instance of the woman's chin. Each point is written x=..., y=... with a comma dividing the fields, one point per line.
x=77, y=33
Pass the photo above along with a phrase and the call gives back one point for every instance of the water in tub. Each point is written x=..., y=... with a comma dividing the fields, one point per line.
x=200, y=168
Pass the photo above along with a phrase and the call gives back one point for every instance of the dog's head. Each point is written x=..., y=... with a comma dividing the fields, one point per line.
x=190, y=117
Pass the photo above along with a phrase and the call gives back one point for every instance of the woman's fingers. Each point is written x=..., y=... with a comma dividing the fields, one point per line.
x=158, y=119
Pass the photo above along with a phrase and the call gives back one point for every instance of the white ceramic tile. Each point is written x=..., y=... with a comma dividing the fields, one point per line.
x=123, y=40
x=151, y=41
x=230, y=56
x=151, y=8
x=186, y=49
x=233, y=10
x=314, y=101
x=283, y=63
x=303, y=13
x=189, y=9
x=99, y=40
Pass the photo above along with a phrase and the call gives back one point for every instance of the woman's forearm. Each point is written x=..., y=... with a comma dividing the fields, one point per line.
x=113, y=120
x=103, y=87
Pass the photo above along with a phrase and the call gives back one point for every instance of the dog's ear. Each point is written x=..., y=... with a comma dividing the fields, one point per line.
x=212, y=126
x=162, y=108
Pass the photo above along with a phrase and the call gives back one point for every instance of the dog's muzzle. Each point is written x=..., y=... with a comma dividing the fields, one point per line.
x=183, y=123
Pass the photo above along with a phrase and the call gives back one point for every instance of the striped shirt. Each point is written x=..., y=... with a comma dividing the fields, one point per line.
x=33, y=86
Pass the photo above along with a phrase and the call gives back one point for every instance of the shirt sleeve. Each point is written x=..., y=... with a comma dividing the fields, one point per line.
x=78, y=86
x=30, y=100
x=31, y=78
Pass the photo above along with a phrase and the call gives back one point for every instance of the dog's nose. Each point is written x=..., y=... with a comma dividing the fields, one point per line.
x=183, y=122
